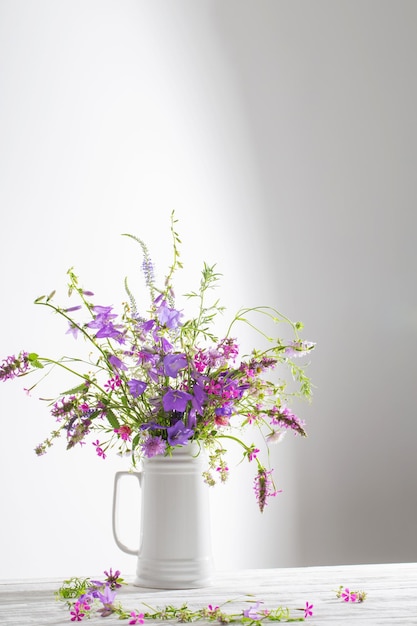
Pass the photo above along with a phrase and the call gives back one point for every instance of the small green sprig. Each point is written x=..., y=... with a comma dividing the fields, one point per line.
x=72, y=588
x=347, y=595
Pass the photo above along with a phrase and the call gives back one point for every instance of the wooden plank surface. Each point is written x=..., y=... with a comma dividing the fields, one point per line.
x=391, y=589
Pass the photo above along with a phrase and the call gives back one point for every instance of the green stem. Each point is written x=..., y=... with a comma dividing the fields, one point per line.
x=264, y=310
x=74, y=324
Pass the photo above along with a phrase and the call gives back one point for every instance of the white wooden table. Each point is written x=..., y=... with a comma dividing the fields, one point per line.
x=391, y=589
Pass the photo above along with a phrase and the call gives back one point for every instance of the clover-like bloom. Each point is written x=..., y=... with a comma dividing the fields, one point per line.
x=124, y=433
x=136, y=387
x=12, y=366
x=153, y=446
x=173, y=363
x=179, y=434
x=176, y=400
x=263, y=487
x=112, y=578
x=253, y=453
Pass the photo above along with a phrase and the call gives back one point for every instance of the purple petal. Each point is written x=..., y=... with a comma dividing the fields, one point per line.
x=136, y=387
x=176, y=400
x=179, y=434
x=173, y=363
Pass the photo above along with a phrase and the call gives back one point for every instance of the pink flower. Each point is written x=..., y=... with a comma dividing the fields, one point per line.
x=77, y=614
x=138, y=618
x=308, y=611
x=349, y=596
x=99, y=450
x=252, y=454
x=264, y=487
x=124, y=432
x=111, y=384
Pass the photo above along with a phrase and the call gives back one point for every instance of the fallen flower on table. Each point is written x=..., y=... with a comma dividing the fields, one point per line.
x=308, y=611
x=86, y=597
x=350, y=596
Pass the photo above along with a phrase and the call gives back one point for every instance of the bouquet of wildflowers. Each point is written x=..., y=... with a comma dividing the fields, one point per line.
x=154, y=380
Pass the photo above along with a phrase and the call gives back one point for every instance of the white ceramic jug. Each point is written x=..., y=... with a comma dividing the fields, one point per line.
x=175, y=539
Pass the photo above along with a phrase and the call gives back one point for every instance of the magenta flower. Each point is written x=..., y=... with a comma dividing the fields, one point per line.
x=124, y=432
x=252, y=454
x=229, y=348
x=12, y=366
x=112, y=578
x=176, y=400
x=138, y=618
x=264, y=487
x=99, y=450
x=348, y=595
x=111, y=384
x=308, y=611
x=77, y=614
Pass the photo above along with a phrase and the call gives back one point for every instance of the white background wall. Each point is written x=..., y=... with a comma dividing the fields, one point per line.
x=284, y=136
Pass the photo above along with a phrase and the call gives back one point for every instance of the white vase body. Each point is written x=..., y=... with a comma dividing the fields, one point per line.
x=174, y=539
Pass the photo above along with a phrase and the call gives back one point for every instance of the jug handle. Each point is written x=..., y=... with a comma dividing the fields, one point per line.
x=117, y=478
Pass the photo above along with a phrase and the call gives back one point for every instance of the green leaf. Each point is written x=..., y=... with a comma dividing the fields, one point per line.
x=112, y=419
x=78, y=389
x=34, y=360
x=51, y=295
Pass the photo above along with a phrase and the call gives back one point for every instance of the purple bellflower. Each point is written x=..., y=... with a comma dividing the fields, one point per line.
x=136, y=387
x=179, y=434
x=176, y=400
x=173, y=363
